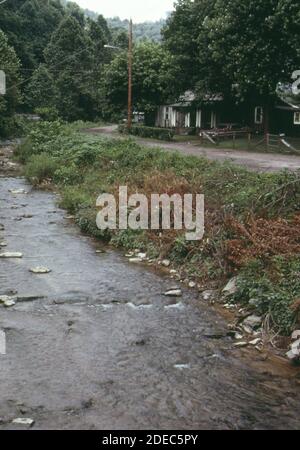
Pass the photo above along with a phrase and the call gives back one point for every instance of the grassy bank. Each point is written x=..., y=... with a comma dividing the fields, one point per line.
x=252, y=220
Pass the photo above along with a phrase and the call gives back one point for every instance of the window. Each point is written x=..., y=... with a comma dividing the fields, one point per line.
x=297, y=118
x=259, y=115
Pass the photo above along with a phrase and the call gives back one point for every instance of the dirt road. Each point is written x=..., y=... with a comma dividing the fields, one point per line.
x=261, y=162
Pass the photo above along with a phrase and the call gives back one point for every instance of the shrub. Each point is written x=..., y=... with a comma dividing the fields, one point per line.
x=47, y=114
x=73, y=198
x=68, y=175
x=163, y=134
x=41, y=167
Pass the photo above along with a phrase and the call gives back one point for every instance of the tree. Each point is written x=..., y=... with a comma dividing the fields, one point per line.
x=180, y=37
x=41, y=91
x=256, y=42
x=10, y=64
x=240, y=48
x=153, y=79
x=69, y=60
x=29, y=25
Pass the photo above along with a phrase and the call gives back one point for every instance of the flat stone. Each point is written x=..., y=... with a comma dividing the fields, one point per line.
x=255, y=342
x=247, y=329
x=135, y=260
x=238, y=336
x=182, y=366
x=179, y=306
x=207, y=295
x=3, y=244
x=253, y=321
x=40, y=270
x=290, y=355
x=295, y=335
x=9, y=303
x=17, y=191
x=141, y=255
x=241, y=344
x=296, y=346
x=174, y=293
x=11, y=255
x=23, y=421
x=166, y=263
x=192, y=284
x=231, y=287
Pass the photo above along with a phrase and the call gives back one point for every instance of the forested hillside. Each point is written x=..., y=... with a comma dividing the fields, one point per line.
x=56, y=60
x=145, y=30
x=59, y=66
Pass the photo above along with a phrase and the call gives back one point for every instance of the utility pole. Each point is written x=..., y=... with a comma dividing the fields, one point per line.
x=130, y=58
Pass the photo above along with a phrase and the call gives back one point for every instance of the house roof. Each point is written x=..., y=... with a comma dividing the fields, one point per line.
x=186, y=99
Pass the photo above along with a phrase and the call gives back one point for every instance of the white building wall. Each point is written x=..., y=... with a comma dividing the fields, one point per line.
x=199, y=118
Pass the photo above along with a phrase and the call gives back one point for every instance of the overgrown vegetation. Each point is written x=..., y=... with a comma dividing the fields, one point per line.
x=252, y=220
x=163, y=134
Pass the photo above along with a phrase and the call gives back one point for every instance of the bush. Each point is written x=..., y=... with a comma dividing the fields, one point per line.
x=73, y=198
x=163, y=134
x=48, y=114
x=41, y=167
x=68, y=175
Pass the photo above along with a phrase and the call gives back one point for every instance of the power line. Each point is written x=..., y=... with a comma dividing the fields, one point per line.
x=50, y=68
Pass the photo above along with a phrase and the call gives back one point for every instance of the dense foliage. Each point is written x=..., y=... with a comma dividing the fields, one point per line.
x=162, y=134
x=153, y=78
x=9, y=63
x=141, y=31
x=242, y=48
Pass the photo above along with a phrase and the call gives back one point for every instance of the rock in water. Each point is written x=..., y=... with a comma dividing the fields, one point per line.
x=17, y=191
x=9, y=303
x=40, y=270
x=23, y=421
x=135, y=260
x=11, y=255
x=174, y=293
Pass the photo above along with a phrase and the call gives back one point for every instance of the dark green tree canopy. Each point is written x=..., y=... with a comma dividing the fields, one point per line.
x=241, y=48
x=153, y=78
x=10, y=64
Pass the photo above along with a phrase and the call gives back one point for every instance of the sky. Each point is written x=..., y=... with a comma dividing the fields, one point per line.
x=139, y=10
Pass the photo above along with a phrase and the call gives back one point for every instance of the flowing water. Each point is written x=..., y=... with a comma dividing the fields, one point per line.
x=95, y=345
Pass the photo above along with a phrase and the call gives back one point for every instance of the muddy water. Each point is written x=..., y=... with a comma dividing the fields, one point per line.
x=103, y=349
